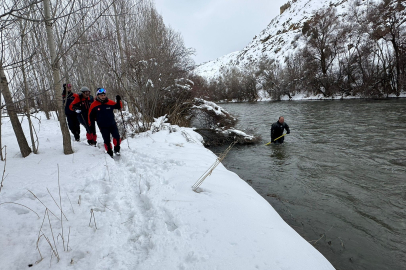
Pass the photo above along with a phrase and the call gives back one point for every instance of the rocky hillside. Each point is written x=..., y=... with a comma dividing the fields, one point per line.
x=281, y=37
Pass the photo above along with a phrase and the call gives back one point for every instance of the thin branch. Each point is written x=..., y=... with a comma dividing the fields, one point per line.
x=94, y=218
x=56, y=204
x=70, y=202
x=42, y=203
x=22, y=206
x=52, y=232
x=60, y=203
x=11, y=11
x=4, y=169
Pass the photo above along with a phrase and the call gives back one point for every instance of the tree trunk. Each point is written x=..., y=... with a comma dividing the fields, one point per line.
x=26, y=94
x=1, y=114
x=22, y=141
x=67, y=146
x=397, y=63
x=44, y=98
x=123, y=70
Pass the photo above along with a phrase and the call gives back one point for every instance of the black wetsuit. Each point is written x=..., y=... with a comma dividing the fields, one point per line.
x=277, y=131
x=73, y=122
x=83, y=104
x=101, y=111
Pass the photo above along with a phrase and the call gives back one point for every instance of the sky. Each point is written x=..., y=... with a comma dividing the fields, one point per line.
x=218, y=27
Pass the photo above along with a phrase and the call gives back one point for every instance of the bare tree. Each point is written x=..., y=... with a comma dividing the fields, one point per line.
x=130, y=52
x=25, y=86
x=323, y=46
x=67, y=146
x=6, y=22
x=389, y=24
x=22, y=141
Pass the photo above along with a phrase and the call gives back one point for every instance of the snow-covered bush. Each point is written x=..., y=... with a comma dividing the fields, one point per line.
x=216, y=125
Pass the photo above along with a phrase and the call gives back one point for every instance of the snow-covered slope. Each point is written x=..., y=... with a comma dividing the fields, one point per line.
x=211, y=69
x=279, y=39
x=138, y=212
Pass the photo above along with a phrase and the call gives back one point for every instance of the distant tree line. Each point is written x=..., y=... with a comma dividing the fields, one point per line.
x=362, y=53
x=232, y=84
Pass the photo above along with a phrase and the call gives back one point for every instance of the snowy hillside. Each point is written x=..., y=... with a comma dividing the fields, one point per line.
x=280, y=38
x=212, y=68
x=138, y=212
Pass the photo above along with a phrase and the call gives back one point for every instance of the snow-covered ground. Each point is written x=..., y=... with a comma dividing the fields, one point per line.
x=137, y=212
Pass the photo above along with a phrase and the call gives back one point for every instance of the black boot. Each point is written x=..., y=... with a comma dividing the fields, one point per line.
x=77, y=137
x=117, y=149
x=110, y=152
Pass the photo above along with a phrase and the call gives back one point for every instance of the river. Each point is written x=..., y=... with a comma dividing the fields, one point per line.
x=339, y=179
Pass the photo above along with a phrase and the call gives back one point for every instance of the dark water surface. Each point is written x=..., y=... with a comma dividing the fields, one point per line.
x=339, y=179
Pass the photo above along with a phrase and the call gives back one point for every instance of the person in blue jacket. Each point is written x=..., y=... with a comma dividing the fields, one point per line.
x=73, y=122
x=101, y=111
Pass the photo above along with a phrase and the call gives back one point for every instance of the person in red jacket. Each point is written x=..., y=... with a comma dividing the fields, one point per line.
x=101, y=110
x=81, y=105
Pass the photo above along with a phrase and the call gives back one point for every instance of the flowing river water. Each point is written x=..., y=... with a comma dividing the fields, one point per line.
x=339, y=179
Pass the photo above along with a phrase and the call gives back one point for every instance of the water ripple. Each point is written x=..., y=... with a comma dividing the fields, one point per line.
x=341, y=173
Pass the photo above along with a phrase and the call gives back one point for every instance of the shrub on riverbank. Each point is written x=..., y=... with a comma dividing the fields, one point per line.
x=217, y=125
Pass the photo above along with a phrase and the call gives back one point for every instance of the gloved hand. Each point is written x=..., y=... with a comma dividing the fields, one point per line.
x=78, y=111
x=288, y=132
x=118, y=98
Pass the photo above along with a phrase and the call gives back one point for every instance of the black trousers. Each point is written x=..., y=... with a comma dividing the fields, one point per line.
x=83, y=120
x=73, y=123
x=106, y=131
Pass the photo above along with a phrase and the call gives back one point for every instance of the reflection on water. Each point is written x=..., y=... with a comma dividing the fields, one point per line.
x=339, y=178
x=278, y=152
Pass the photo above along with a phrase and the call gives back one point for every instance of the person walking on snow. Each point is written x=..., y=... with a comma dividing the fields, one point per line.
x=277, y=130
x=102, y=111
x=73, y=122
x=81, y=105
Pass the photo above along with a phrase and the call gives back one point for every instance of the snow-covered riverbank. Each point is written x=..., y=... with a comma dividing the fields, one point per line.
x=138, y=212
x=263, y=96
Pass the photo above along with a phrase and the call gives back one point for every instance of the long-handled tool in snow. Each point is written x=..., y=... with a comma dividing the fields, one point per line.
x=276, y=139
